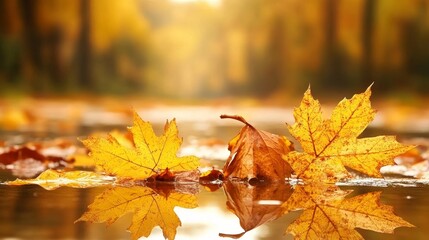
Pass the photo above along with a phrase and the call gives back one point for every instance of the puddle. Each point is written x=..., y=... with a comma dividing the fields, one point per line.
x=252, y=212
x=266, y=212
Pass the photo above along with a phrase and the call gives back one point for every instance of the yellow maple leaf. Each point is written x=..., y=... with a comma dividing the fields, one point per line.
x=327, y=214
x=149, y=207
x=150, y=155
x=331, y=145
x=52, y=179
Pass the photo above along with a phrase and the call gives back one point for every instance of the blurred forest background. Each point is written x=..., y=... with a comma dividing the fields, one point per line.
x=190, y=49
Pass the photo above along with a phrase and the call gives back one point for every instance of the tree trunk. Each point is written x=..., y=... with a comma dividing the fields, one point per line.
x=85, y=77
x=31, y=40
x=331, y=63
x=369, y=10
x=276, y=63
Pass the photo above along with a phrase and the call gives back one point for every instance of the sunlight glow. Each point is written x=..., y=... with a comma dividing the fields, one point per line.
x=270, y=202
x=210, y=2
x=195, y=226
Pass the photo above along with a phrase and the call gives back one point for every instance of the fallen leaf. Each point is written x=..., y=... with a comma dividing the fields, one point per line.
x=187, y=176
x=14, y=154
x=165, y=176
x=52, y=179
x=149, y=208
x=255, y=205
x=182, y=181
x=29, y=160
x=211, y=176
x=211, y=180
x=150, y=155
x=327, y=214
x=331, y=145
x=257, y=154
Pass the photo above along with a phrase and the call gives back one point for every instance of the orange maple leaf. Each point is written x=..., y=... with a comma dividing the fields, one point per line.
x=331, y=145
x=257, y=154
x=150, y=155
x=327, y=214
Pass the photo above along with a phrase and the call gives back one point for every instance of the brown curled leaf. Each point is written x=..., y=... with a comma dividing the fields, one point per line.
x=257, y=154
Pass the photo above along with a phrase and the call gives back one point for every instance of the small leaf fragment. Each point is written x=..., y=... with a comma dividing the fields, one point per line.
x=52, y=179
x=16, y=153
x=165, y=176
x=211, y=176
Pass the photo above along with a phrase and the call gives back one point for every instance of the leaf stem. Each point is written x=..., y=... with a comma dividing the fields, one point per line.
x=236, y=117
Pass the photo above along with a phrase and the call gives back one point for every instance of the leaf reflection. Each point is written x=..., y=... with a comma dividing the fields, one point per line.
x=328, y=215
x=255, y=205
x=151, y=206
x=53, y=179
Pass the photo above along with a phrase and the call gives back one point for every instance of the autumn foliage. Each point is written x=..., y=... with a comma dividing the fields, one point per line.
x=328, y=214
x=327, y=147
x=150, y=156
x=151, y=179
x=330, y=145
x=150, y=207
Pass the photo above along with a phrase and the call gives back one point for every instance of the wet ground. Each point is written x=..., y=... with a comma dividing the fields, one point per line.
x=31, y=212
